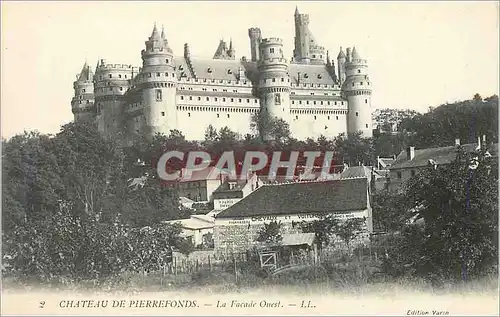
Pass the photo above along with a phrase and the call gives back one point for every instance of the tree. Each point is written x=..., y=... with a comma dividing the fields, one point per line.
x=390, y=211
x=353, y=149
x=348, y=230
x=458, y=204
x=322, y=228
x=270, y=233
x=270, y=128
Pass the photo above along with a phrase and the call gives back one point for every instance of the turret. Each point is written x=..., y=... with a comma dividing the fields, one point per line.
x=82, y=104
x=357, y=89
x=255, y=38
x=341, y=59
x=158, y=83
x=274, y=81
x=307, y=49
x=111, y=81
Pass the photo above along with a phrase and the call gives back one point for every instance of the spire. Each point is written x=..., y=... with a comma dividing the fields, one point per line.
x=328, y=62
x=230, y=44
x=162, y=32
x=154, y=34
x=355, y=54
x=341, y=54
x=297, y=11
x=86, y=73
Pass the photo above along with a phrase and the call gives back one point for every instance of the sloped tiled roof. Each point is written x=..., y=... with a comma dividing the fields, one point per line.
x=359, y=171
x=302, y=197
x=440, y=155
x=221, y=69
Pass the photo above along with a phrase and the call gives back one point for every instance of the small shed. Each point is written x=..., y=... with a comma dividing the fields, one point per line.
x=296, y=248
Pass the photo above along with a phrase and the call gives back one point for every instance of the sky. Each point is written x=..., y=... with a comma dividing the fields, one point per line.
x=420, y=54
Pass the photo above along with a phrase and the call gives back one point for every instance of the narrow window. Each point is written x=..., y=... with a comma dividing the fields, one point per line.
x=162, y=113
x=412, y=173
x=367, y=126
x=399, y=175
x=158, y=95
x=271, y=50
x=366, y=100
x=277, y=99
x=217, y=115
x=357, y=114
x=189, y=114
x=166, y=60
x=119, y=76
x=228, y=115
x=110, y=76
x=190, y=97
x=182, y=97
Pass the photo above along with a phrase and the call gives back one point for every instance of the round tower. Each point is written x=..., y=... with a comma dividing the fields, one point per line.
x=357, y=89
x=111, y=81
x=82, y=104
x=158, y=83
x=274, y=81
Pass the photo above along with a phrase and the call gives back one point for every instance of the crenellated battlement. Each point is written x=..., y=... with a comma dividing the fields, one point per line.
x=114, y=67
x=272, y=40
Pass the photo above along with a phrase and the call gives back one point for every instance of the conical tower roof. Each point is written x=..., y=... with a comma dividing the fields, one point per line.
x=86, y=73
x=341, y=54
x=355, y=54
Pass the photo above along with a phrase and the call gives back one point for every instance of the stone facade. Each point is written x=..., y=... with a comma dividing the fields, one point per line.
x=172, y=92
x=238, y=235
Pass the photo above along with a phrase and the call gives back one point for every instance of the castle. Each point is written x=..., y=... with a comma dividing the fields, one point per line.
x=169, y=92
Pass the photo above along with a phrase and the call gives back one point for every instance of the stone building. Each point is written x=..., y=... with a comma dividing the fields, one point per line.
x=236, y=228
x=312, y=94
x=410, y=161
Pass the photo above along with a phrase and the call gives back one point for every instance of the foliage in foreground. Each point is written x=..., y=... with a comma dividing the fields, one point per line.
x=458, y=204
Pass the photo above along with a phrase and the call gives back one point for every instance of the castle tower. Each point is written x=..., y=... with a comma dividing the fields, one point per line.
x=301, y=40
x=255, y=39
x=274, y=81
x=82, y=104
x=158, y=84
x=307, y=50
x=357, y=89
x=111, y=81
x=341, y=59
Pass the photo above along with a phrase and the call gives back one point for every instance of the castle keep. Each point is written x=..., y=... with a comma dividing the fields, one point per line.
x=311, y=93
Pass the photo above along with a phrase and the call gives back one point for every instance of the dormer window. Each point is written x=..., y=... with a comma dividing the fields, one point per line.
x=180, y=67
x=306, y=76
x=319, y=76
x=229, y=71
x=209, y=70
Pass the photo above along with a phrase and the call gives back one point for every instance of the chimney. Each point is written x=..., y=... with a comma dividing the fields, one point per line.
x=457, y=141
x=478, y=142
x=410, y=153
